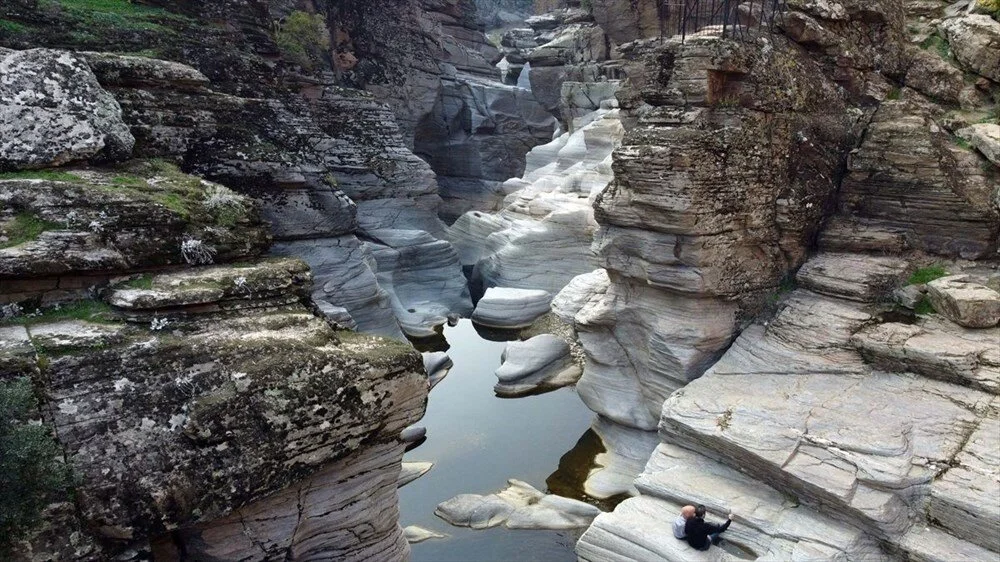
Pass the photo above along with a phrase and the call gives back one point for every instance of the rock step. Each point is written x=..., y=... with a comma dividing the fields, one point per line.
x=934, y=545
x=960, y=498
x=855, y=277
x=936, y=349
x=843, y=234
x=268, y=279
x=965, y=302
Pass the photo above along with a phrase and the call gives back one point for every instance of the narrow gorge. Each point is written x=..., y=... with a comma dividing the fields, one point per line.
x=434, y=280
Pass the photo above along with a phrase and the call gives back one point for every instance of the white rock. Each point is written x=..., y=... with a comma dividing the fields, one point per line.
x=539, y=364
x=970, y=304
x=411, y=471
x=984, y=137
x=626, y=452
x=437, y=364
x=519, y=506
x=504, y=307
x=415, y=534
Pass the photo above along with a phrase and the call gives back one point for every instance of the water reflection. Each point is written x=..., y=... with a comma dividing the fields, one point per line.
x=574, y=468
x=478, y=441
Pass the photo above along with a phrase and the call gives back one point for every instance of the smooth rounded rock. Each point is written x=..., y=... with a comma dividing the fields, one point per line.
x=539, y=364
x=506, y=308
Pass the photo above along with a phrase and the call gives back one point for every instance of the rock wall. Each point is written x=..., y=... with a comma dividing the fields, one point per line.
x=188, y=381
x=867, y=441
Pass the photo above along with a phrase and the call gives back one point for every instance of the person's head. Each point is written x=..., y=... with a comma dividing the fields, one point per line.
x=699, y=511
x=687, y=512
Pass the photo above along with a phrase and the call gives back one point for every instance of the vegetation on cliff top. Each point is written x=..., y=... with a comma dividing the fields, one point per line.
x=31, y=474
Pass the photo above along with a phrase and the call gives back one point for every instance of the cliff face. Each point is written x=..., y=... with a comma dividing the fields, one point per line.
x=194, y=403
x=741, y=157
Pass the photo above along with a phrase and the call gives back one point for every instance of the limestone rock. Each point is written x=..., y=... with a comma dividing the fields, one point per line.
x=411, y=471
x=985, y=137
x=53, y=111
x=970, y=304
x=107, y=226
x=935, y=349
x=415, y=534
x=539, y=364
x=437, y=364
x=508, y=308
x=626, y=451
x=214, y=285
x=974, y=39
x=852, y=276
x=519, y=506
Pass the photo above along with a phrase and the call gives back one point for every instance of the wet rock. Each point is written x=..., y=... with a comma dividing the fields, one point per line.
x=415, y=534
x=503, y=307
x=519, y=506
x=973, y=38
x=962, y=301
x=539, y=364
x=53, y=111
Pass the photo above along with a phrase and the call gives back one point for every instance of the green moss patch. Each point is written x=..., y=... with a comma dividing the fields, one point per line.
x=97, y=16
x=303, y=38
x=9, y=26
x=924, y=307
x=937, y=44
x=25, y=227
x=926, y=275
x=48, y=175
x=88, y=311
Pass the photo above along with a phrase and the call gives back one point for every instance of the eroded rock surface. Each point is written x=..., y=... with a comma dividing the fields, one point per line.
x=519, y=506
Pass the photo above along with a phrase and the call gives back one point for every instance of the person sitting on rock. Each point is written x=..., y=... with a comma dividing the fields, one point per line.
x=687, y=512
x=699, y=534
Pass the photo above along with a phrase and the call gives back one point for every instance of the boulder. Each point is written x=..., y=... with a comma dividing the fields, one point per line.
x=539, y=364
x=506, y=308
x=411, y=471
x=984, y=137
x=53, y=111
x=415, y=534
x=855, y=277
x=962, y=301
x=519, y=506
x=975, y=41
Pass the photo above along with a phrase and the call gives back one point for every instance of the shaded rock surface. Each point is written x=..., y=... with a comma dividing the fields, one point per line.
x=509, y=308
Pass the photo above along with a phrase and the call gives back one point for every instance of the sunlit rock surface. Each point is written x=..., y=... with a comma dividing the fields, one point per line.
x=519, y=506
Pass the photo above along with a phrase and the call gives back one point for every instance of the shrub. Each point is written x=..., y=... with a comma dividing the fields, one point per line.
x=991, y=6
x=31, y=476
x=926, y=275
x=303, y=38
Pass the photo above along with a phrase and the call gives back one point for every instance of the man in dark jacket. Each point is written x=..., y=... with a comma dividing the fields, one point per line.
x=701, y=535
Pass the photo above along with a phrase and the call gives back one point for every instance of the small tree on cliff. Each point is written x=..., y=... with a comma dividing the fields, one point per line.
x=303, y=38
x=31, y=475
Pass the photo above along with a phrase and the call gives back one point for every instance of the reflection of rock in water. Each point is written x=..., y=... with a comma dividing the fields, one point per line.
x=574, y=468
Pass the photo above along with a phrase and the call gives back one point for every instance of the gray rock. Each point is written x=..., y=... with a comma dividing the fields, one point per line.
x=974, y=38
x=539, y=364
x=626, y=452
x=437, y=364
x=503, y=307
x=53, y=111
x=970, y=304
x=984, y=137
x=910, y=295
x=852, y=276
x=519, y=506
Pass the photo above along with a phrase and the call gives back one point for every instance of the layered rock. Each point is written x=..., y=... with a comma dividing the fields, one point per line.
x=519, y=506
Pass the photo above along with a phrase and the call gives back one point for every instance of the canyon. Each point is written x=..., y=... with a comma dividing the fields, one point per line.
x=760, y=244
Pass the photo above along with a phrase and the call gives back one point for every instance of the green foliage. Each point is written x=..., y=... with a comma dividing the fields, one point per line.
x=31, y=475
x=8, y=26
x=50, y=175
x=939, y=44
x=24, y=228
x=98, y=17
x=924, y=307
x=894, y=94
x=962, y=143
x=86, y=310
x=303, y=38
x=144, y=281
x=991, y=6
x=926, y=275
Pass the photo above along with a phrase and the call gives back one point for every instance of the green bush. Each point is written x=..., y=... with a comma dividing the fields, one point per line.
x=303, y=38
x=926, y=275
x=31, y=476
x=991, y=6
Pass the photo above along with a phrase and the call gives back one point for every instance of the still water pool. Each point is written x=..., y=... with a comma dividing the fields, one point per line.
x=477, y=441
